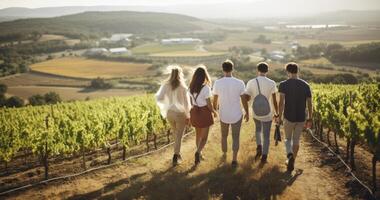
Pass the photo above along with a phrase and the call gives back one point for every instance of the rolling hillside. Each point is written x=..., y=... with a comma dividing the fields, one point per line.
x=104, y=22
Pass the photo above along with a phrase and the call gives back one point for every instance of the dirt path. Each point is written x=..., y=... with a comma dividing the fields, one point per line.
x=153, y=177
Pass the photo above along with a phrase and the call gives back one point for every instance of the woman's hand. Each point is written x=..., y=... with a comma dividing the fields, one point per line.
x=187, y=121
x=215, y=114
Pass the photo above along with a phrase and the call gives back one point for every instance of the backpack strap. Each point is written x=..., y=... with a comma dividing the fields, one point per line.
x=195, y=98
x=258, y=85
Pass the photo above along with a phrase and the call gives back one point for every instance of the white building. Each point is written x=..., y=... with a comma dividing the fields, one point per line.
x=95, y=51
x=120, y=50
x=277, y=55
x=171, y=41
x=117, y=38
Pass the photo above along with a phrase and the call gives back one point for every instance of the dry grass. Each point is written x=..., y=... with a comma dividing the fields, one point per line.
x=48, y=37
x=38, y=79
x=69, y=93
x=87, y=68
x=187, y=54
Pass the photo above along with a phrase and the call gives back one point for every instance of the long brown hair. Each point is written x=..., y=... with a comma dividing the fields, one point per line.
x=199, y=79
x=176, y=77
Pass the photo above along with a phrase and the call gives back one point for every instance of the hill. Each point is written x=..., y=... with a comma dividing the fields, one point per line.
x=103, y=22
x=245, y=9
x=354, y=17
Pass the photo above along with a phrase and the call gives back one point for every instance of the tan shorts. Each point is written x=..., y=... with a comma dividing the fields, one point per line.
x=293, y=131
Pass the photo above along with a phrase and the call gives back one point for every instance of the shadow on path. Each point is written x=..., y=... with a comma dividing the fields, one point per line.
x=223, y=182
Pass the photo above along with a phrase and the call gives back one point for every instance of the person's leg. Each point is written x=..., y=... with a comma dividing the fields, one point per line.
x=258, y=131
x=173, y=126
x=197, y=136
x=224, y=129
x=180, y=126
x=236, y=139
x=203, y=140
x=289, y=131
x=288, y=128
x=296, y=137
x=266, y=133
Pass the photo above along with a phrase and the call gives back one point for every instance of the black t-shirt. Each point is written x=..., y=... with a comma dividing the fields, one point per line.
x=296, y=92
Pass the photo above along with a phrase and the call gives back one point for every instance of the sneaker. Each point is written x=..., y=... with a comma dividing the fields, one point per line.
x=202, y=157
x=258, y=152
x=175, y=159
x=290, y=164
x=197, y=158
x=179, y=158
x=234, y=164
x=264, y=158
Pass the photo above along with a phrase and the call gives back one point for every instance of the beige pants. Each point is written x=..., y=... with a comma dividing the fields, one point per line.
x=235, y=135
x=293, y=132
x=177, y=122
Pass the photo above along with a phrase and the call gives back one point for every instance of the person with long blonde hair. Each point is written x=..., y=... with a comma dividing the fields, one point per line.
x=174, y=102
x=202, y=110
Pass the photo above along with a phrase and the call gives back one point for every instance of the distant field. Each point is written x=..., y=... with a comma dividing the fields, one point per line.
x=37, y=79
x=88, y=68
x=245, y=39
x=48, y=37
x=307, y=42
x=187, y=53
x=68, y=93
x=153, y=48
x=313, y=64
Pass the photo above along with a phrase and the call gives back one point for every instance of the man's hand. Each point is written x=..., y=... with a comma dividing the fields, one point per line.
x=279, y=120
x=215, y=114
x=309, y=122
x=246, y=117
x=276, y=119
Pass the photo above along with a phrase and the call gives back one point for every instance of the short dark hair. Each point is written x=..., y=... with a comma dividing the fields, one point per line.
x=292, y=68
x=262, y=67
x=228, y=66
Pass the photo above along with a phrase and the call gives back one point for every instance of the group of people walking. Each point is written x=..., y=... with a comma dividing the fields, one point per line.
x=200, y=103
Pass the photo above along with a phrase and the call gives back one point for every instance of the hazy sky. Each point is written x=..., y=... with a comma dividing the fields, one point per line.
x=54, y=3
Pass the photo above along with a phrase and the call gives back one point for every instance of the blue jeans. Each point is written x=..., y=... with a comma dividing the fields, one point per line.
x=262, y=134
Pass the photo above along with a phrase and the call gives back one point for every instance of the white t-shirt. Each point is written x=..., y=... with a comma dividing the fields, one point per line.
x=229, y=90
x=267, y=87
x=204, y=94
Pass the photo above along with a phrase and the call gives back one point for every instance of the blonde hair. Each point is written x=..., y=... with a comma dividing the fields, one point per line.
x=176, y=77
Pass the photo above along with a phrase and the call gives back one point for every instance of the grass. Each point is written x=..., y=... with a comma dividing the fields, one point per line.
x=349, y=43
x=88, y=68
x=69, y=93
x=154, y=48
x=48, y=37
x=187, y=53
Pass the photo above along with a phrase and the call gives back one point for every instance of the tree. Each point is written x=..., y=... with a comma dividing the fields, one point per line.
x=262, y=39
x=3, y=100
x=14, y=102
x=3, y=89
x=52, y=98
x=100, y=83
x=37, y=100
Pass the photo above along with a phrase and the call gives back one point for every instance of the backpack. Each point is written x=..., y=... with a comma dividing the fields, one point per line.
x=260, y=104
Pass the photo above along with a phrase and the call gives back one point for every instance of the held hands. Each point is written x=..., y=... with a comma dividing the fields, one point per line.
x=277, y=119
x=187, y=121
x=246, y=117
x=215, y=114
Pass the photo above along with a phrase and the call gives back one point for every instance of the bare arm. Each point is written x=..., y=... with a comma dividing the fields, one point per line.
x=281, y=105
x=210, y=107
x=245, y=106
x=309, y=108
x=215, y=102
x=275, y=105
